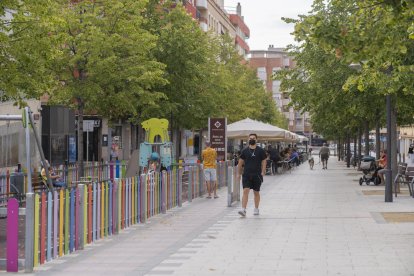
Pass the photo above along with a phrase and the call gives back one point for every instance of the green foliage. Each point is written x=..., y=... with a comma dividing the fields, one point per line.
x=337, y=33
x=127, y=59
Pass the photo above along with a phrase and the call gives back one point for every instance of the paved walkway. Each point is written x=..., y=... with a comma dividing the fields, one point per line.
x=311, y=223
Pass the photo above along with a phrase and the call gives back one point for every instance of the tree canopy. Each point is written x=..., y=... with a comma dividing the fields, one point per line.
x=335, y=36
x=126, y=59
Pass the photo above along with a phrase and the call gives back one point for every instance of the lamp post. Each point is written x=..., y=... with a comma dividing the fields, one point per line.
x=388, y=180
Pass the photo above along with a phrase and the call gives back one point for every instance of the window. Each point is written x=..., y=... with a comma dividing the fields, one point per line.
x=261, y=73
x=276, y=86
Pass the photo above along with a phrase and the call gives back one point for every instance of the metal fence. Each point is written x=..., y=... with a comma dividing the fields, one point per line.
x=63, y=221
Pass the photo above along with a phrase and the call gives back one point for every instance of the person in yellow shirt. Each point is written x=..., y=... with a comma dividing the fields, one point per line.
x=209, y=156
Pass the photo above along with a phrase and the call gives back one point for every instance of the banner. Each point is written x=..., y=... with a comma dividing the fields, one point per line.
x=217, y=128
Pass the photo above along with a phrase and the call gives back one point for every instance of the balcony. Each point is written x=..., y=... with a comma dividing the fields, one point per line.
x=201, y=4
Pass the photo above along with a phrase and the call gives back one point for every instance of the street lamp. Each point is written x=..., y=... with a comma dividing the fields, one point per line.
x=388, y=181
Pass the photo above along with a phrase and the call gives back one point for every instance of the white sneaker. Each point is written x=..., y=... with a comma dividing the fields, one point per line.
x=256, y=211
x=242, y=212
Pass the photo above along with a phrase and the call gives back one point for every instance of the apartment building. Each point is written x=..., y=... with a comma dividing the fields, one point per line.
x=267, y=62
x=212, y=16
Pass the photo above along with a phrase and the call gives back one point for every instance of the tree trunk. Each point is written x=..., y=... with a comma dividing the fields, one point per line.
x=348, y=150
x=338, y=147
x=359, y=142
x=80, y=137
x=355, y=151
x=394, y=161
x=366, y=152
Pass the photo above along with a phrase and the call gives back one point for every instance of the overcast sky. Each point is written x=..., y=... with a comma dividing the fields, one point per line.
x=263, y=17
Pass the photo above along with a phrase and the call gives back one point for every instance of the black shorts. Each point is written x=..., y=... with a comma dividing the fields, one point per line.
x=324, y=157
x=252, y=182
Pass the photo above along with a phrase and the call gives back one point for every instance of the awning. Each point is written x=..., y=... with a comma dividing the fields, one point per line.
x=241, y=130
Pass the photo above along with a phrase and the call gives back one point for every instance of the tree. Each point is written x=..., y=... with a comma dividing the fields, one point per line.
x=97, y=55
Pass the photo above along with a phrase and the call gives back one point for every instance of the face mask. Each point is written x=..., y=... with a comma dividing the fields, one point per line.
x=252, y=142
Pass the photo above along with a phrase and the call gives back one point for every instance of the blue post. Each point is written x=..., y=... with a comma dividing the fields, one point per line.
x=72, y=220
x=117, y=168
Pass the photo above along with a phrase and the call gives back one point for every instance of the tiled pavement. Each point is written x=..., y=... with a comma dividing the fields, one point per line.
x=311, y=223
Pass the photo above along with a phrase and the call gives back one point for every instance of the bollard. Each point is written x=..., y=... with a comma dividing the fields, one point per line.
x=201, y=179
x=229, y=187
x=180, y=187
x=143, y=198
x=164, y=192
x=190, y=184
x=81, y=201
x=29, y=239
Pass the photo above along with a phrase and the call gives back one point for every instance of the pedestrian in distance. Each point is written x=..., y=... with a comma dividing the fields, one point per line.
x=252, y=168
x=209, y=156
x=324, y=153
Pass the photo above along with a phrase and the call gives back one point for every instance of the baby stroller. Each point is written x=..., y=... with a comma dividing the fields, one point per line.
x=369, y=169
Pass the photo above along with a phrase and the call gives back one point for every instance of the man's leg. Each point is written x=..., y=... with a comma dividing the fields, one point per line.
x=245, y=197
x=256, y=199
x=214, y=187
x=208, y=188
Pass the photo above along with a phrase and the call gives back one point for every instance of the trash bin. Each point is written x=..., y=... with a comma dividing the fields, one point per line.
x=17, y=183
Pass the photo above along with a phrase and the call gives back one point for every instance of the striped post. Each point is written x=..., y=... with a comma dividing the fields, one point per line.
x=98, y=211
x=49, y=226
x=105, y=184
x=29, y=231
x=110, y=208
x=67, y=226
x=36, y=232
x=180, y=187
x=61, y=219
x=55, y=223
x=190, y=184
x=94, y=219
x=12, y=243
x=102, y=225
x=43, y=229
x=77, y=217
x=81, y=193
x=143, y=198
x=72, y=221
x=117, y=169
x=85, y=215
x=90, y=212
x=164, y=192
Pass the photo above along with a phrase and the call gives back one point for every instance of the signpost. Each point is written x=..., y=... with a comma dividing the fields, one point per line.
x=217, y=128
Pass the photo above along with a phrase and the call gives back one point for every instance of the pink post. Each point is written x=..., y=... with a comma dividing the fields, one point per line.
x=12, y=235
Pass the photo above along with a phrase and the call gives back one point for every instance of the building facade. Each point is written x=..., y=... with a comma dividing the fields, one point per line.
x=212, y=16
x=267, y=62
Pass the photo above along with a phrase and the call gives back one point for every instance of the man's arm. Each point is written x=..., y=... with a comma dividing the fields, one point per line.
x=263, y=166
x=240, y=166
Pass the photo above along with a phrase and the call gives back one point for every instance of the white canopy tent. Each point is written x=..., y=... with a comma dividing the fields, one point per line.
x=302, y=138
x=241, y=130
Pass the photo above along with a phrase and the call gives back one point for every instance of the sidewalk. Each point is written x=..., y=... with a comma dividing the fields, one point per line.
x=311, y=223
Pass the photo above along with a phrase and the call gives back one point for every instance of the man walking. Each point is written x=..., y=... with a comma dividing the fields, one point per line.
x=275, y=157
x=324, y=153
x=209, y=156
x=253, y=159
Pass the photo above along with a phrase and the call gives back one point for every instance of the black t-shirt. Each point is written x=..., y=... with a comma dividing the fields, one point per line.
x=253, y=160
